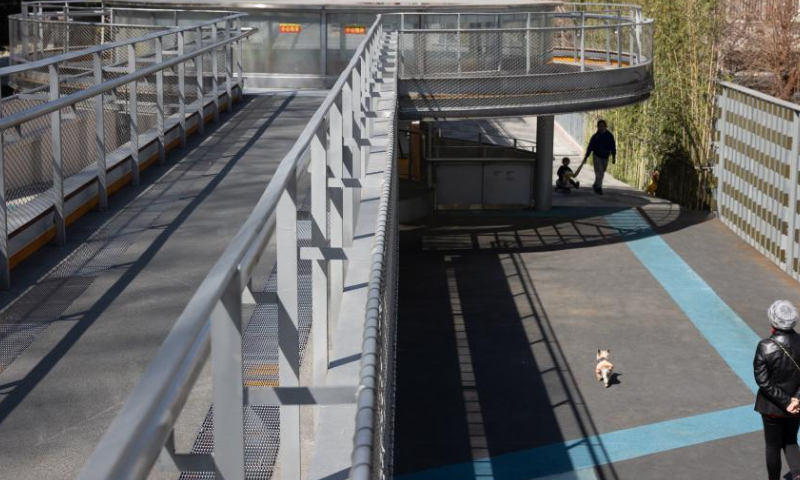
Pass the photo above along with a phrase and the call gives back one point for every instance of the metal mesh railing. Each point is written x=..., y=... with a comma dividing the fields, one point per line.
x=81, y=112
x=308, y=285
x=577, y=54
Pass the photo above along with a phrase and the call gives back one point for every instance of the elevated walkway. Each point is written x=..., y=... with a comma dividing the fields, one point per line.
x=103, y=311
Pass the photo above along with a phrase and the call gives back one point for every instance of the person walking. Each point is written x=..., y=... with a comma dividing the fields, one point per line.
x=776, y=367
x=602, y=145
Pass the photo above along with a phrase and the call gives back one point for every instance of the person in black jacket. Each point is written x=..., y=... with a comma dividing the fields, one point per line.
x=776, y=367
x=603, y=146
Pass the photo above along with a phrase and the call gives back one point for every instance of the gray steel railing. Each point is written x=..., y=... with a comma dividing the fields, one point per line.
x=477, y=45
x=125, y=95
x=333, y=150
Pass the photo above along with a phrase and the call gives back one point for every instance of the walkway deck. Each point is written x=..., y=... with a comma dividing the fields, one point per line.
x=501, y=317
x=81, y=334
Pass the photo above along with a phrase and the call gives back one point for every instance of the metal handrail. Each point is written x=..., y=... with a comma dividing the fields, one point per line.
x=135, y=438
x=45, y=62
x=232, y=34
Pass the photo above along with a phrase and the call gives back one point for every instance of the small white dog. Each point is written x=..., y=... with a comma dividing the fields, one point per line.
x=604, y=367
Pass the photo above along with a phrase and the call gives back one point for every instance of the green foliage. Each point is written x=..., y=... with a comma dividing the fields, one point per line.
x=677, y=123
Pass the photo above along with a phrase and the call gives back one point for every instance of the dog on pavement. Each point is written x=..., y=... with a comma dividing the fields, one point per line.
x=604, y=367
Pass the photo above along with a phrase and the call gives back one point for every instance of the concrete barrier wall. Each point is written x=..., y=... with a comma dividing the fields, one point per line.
x=573, y=124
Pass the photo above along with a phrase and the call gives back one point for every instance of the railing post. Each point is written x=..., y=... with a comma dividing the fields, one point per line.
x=229, y=65
x=100, y=135
x=162, y=155
x=5, y=270
x=319, y=268
x=583, y=41
x=361, y=105
x=133, y=120
x=198, y=64
x=630, y=41
x=239, y=58
x=25, y=24
x=228, y=393
x=288, y=327
x=608, y=43
x=790, y=245
x=336, y=162
x=458, y=33
x=40, y=33
x=66, y=27
x=527, y=44
x=58, y=170
x=215, y=72
x=182, y=90
x=351, y=153
x=619, y=39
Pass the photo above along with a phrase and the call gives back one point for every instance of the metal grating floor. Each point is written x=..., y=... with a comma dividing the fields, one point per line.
x=260, y=359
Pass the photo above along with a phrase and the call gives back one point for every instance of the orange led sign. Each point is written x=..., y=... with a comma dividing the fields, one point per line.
x=289, y=28
x=355, y=30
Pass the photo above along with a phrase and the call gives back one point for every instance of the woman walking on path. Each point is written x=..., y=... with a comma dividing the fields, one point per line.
x=777, y=370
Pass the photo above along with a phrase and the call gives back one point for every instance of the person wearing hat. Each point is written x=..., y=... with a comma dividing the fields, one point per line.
x=776, y=367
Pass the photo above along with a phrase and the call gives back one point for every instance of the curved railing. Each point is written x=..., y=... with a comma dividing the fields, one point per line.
x=572, y=58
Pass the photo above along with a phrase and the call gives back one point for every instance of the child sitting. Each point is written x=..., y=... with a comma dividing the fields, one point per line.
x=565, y=175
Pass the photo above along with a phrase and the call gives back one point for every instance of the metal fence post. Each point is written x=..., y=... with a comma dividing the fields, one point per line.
x=458, y=45
x=619, y=40
x=790, y=245
x=630, y=41
x=239, y=58
x=66, y=27
x=215, y=72
x=25, y=25
x=288, y=326
x=58, y=170
x=133, y=121
x=336, y=162
x=40, y=34
x=349, y=158
x=527, y=44
x=228, y=393
x=100, y=135
x=583, y=41
x=608, y=43
x=198, y=64
x=319, y=270
x=162, y=155
x=182, y=90
x=229, y=65
x=5, y=270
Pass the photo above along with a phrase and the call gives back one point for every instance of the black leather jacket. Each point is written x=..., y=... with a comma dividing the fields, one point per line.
x=777, y=376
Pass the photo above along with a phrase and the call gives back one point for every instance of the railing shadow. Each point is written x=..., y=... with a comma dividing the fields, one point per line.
x=482, y=375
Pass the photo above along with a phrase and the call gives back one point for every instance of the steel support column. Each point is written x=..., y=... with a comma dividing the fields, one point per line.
x=543, y=177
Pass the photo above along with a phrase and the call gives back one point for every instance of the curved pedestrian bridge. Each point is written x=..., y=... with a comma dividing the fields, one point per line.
x=239, y=307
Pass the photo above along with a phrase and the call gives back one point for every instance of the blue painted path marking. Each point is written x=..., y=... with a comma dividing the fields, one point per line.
x=727, y=333
x=618, y=446
x=730, y=336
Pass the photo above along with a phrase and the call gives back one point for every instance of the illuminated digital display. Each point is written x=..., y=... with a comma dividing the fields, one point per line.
x=289, y=28
x=355, y=30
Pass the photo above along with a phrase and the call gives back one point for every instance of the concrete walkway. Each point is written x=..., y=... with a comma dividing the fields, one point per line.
x=76, y=340
x=501, y=315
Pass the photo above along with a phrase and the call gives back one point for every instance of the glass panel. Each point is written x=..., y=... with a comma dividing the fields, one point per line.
x=277, y=49
x=344, y=36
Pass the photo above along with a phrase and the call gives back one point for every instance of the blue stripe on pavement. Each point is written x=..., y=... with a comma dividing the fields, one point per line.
x=730, y=336
x=727, y=333
x=621, y=445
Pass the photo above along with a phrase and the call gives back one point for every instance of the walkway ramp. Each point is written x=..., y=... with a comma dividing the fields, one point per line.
x=501, y=315
x=103, y=312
